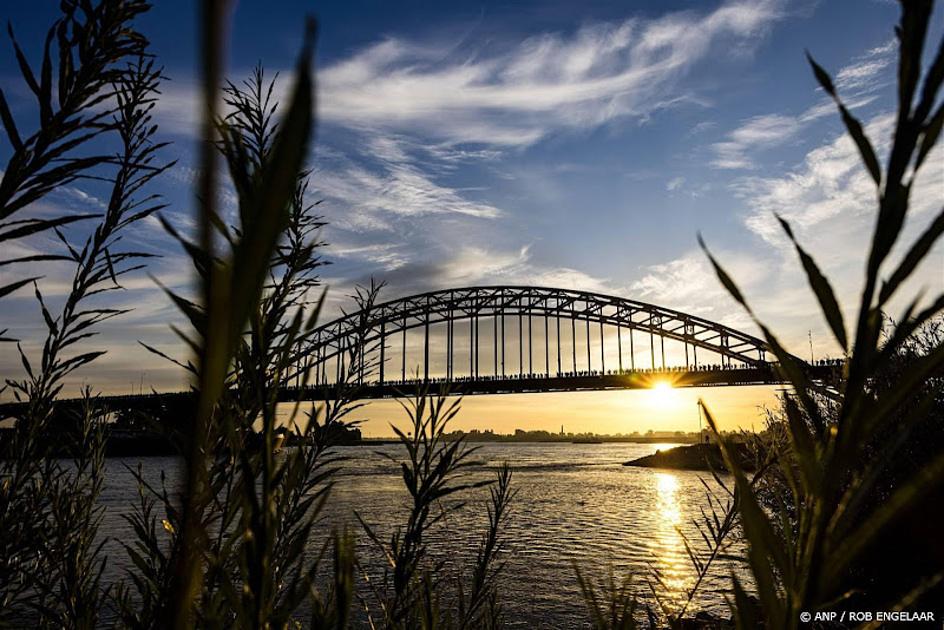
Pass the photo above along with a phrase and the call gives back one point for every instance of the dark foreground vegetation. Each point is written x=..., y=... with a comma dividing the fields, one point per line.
x=842, y=513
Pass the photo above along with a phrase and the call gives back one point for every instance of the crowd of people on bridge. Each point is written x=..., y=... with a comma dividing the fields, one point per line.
x=675, y=369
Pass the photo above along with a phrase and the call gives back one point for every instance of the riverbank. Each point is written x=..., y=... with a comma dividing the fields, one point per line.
x=694, y=457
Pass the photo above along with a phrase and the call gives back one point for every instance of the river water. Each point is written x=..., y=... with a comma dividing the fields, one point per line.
x=575, y=504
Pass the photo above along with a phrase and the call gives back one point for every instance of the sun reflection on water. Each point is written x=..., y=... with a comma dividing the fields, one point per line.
x=671, y=562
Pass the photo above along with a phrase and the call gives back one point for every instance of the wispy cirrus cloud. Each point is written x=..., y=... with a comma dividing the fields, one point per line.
x=474, y=265
x=689, y=284
x=549, y=82
x=831, y=183
x=856, y=82
x=394, y=181
x=830, y=201
x=514, y=93
x=863, y=72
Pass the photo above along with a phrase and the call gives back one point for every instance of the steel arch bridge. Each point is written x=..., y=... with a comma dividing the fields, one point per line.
x=526, y=346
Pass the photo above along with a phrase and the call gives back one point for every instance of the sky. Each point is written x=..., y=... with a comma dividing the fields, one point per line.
x=573, y=145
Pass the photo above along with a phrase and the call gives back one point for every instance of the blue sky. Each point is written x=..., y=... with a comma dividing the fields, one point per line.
x=566, y=144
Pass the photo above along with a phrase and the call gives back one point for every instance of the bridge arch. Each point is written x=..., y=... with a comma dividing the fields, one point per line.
x=384, y=328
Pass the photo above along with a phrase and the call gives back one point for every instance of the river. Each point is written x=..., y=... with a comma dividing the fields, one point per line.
x=575, y=503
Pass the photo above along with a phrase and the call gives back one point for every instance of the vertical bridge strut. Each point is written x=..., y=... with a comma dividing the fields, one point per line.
x=436, y=314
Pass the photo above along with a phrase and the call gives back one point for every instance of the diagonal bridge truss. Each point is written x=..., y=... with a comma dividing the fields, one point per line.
x=507, y=339
x=525, y=323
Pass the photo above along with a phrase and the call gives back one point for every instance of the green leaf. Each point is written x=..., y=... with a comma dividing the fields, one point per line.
x=45, y=82
x=851, y=122
x=930, y=135
x=766, y=552
x=862, y=142
x=723, y=276
x=268, y=209
x=32, y=226
x=822, y=289
x=36, y=258
x=919, y=250
x=822, y=77
x=13, y=286
x=902, y=500
x=25, y=69
x=9, y=125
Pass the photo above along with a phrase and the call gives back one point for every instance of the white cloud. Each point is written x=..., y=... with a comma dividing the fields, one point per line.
x=831, y=182
x=382, y=256
x=830, y=201
x=689, y=284
x=863, y=72
x=674, y=184
x=758, y=131
x=856, y=83
x=395, y=184
x=472, y=265
x=547, y=83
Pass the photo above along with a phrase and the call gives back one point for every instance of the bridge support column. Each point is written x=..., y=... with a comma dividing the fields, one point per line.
x=520, y=344
x=362, y=352
x=476, y=346
x=602, y=352
x=530, y=344
x=383, y=359
x=547, y=348
x=557, y=319
x=503, y=344
x=619, y=345
x=426, y=345
x=573, y=342
x=652, y=347
x=495, y=346
x=403, y=355
x=449, y=328
x=324, y=366
x=589, y=365
x=471, y=347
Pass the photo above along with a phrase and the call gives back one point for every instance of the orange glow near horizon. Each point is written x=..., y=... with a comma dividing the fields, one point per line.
x=662, y=408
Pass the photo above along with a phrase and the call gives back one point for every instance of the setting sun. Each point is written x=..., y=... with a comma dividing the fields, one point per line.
x=662, y=395
x=663, y=387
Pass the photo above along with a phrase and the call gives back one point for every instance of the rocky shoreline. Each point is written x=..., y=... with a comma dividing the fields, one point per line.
x=693, y=457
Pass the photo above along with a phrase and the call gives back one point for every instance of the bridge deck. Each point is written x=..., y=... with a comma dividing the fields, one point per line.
x=543, y=384
x=490, y=385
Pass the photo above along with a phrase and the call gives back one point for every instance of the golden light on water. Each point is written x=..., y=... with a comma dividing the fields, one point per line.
x=668, y=547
